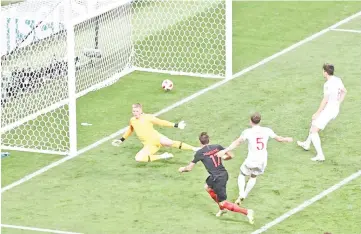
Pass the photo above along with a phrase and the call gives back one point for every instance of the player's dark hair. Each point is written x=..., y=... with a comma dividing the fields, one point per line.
x=256, y=118
x=328, y=68
x=204, y=138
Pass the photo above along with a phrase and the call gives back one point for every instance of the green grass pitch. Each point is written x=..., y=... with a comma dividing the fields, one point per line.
x=106, y=191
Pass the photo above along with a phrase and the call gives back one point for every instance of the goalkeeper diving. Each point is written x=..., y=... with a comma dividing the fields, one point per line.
x=142, y=125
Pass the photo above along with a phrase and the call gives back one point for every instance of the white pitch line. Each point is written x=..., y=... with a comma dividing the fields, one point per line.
x=308, y=203
x=37, y=229
x=181, y=102
x=346, y=30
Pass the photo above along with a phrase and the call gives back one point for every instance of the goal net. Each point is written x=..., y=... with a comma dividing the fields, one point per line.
x=52, y=55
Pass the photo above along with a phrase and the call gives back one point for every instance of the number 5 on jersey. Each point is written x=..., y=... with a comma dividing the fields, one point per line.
x=260, y=144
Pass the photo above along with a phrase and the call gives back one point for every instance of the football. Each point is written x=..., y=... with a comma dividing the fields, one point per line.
x=167, y=85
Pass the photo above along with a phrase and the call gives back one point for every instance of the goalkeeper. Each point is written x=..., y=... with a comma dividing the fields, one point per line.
x=152, y=140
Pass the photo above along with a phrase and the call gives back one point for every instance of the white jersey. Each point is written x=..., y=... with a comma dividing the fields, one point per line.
x=332, y=88
x=257, y=138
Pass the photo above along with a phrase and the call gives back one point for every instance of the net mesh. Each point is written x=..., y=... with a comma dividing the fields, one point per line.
x=34, y=77
x=112, y=38
x=180, y=36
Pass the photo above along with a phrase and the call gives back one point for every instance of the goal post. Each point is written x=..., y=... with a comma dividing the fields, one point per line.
x=60, y=50
x=70, y=46
x=229, y=41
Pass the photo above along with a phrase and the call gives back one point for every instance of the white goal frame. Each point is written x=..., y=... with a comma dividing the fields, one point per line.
x=71, y=82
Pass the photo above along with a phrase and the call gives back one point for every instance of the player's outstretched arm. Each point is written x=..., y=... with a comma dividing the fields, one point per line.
x=166, y=123
x=228, y=156
x=283, y=139
x=187, y=168
x=117, y=142
x=232, y=146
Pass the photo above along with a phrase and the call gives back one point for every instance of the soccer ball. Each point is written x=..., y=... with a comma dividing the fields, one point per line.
x=167, y=85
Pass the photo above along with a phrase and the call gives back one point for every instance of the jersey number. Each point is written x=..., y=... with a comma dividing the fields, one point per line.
x=216, y=160
x=260, y=144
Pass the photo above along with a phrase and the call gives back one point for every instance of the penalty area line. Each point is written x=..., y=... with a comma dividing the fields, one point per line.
x=308, y=202
x=37, y=229
x=185, y=100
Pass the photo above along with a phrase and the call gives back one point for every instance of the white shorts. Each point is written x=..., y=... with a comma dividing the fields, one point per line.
x=253, y=170
x=324, y=118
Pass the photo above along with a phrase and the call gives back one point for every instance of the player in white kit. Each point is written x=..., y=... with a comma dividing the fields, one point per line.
x=256, y=161
x=333, y=94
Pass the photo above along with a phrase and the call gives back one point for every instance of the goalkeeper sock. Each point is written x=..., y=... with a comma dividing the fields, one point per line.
x=181, y=145
x=233, y=207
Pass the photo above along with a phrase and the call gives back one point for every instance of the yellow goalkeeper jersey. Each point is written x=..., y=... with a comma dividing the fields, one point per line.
x=143, y=127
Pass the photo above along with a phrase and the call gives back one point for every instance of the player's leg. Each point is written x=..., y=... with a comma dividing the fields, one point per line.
x=143, y=155
x=211, y=192
x=147, y=154
x=259, y=170
x=235, y=208
x=250, y=184
x=319, y=124
x=307, y=143
x=211, y=183
x=154, y=149
x=221, y=191
x=316, y=141
x=244, y=171
x=165, y=141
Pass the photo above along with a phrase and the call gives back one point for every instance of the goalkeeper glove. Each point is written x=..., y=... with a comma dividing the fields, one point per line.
x=180, y=125
x=118, y=142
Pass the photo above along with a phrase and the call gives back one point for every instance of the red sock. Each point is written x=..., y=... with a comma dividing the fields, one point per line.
x=233, y=207
x=214, y=197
